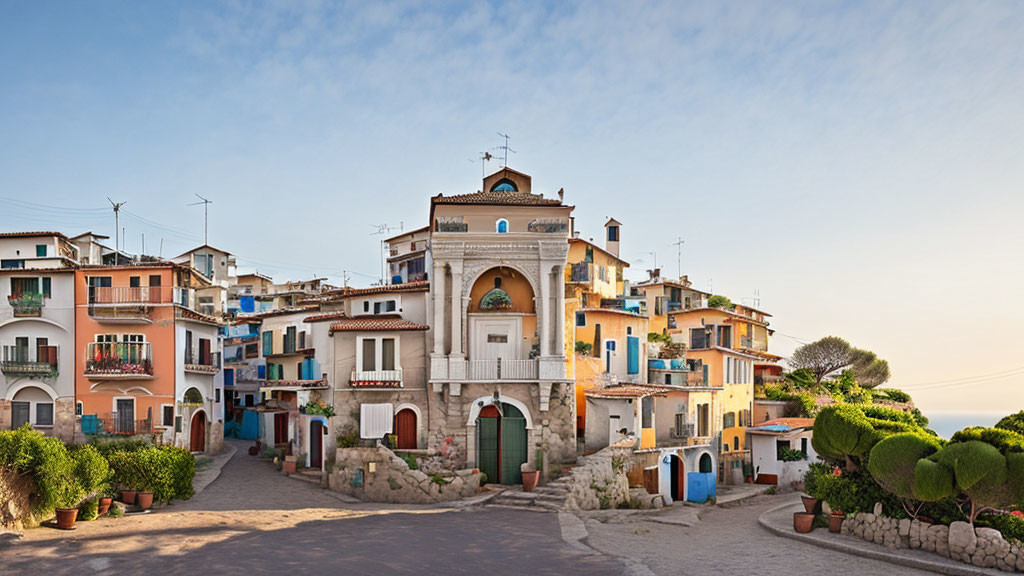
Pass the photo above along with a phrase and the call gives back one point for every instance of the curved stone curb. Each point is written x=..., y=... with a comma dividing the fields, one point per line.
x=210, y=473
x=839, y=543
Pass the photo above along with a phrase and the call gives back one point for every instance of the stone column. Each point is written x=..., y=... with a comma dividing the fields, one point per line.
x=544, y=323
x=457, y=348
x=437, y=281
x=560, y=312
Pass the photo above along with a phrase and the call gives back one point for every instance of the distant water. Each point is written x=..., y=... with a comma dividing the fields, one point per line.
x=947, y=423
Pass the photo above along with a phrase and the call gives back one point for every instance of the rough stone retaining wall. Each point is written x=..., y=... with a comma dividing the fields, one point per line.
x=15, y=513
x=983, y=547
x=393, y=481
x=596, y=484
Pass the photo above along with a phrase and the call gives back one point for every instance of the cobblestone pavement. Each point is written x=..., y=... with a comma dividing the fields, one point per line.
x=725, y=541
x=253, y=520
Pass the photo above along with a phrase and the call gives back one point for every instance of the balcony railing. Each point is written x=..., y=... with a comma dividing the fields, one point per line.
x=499, y=369
x=17, y=361
x=134, y=302
x=123, y=424
x=376, y=379
x=26, y=304
x=750, y=343
x=199, y=363
x=119, y=360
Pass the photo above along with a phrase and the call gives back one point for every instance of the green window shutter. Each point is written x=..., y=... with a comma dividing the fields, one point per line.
x=46, y=287
x=487, y=448
x=41, y=250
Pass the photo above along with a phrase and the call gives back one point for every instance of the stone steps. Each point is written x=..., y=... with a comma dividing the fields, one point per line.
x=544, y=498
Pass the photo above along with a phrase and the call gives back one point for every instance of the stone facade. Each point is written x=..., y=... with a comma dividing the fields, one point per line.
x=983, y=547
x=15, y=512
x=598, y=483
x=392, y=481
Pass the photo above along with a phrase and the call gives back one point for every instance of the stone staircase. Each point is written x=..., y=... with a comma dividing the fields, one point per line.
x=547, y=498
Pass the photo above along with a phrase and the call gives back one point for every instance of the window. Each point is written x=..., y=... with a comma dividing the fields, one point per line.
x=610, y=345
x=803, y=445
x=21, y=286
x=135, y=281
x=268, y=343
x=387, y=353
x=44, y=414
x=168, y=415
x=249, y=400
x=703, y=412
x=40, y=250
x=613, y=233
x=11, y=264
x=780, y=445
x=629, y=330
x=501, y=226
x=647, y=412
x=581, y=318
x=497, y=338
x=366, y=306
x=680, y=422
x=735, y=442
x=47, y=291
x=376, y=307
x=390, y=306
x=729, y=420
x=216, y=394
x=369, y=355
x=79, y=408
x=19, y=414
x=698, y=338
x=668, y=379
x=252, y=350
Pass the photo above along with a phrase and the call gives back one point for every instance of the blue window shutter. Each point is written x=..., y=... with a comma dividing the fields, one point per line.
x=633, y=359
x=261, y=372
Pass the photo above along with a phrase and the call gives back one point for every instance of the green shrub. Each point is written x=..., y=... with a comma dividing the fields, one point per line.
x=1015, y=477
x=348, y=439
x=47, y=461
x=410, y=459
x=584, y=347
x=843, y=430
x=888, y=414
x=1010, y=526
x=1006, y=441
x=932, y=481
x=893, y=459
x=722, y=302
x=651, y=337
x=806, y=402
x=166, y=471
x=91, y=469
x=895, y=395
x=1013, y=423
x=108, y=445
x=802, y=379
x=89, y=509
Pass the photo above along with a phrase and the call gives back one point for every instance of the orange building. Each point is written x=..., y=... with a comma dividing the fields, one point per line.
x=146, y=361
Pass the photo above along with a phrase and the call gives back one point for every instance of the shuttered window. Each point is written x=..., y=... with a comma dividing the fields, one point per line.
x=369, y=355
x=387, y=353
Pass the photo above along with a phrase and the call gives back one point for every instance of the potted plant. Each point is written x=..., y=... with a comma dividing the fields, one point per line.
x=105, y=501
x=810, y=503
x=68, y=499
x=803, y=522
x=835, y=521
x=531, y=476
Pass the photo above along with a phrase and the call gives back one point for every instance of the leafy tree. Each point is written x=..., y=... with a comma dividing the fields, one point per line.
x=823, y=357
x=843, y=432
x=722, y=302
x=893, y=459
x=974, y=468
x=869, y=369
x=801, y=379
x=1013, y=423
x=1005, y=440
x=896, y=395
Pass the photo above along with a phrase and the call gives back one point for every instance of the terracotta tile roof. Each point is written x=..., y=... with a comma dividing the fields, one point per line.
x=631, y=391
x=375, y=324
x=189, y=314
x=31, y=234
x=613, y=311
x=323, y=317
x=421, y=286
x=275, y=312
x=500, y=198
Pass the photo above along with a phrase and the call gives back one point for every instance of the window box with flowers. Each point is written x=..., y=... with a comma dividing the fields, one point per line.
x=317, y=408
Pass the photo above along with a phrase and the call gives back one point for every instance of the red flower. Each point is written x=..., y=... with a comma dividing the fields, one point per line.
x=1017, y=513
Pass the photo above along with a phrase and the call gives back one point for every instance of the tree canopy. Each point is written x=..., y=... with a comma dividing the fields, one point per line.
x=832, y=353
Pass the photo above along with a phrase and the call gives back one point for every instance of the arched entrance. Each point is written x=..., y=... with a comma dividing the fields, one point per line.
x=501, y=443
x=405, y=429
x=677, y=472
x=706, y=465
x=197, y=434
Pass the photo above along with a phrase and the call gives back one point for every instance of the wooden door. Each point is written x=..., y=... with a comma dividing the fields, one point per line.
x=281, y=428
x=405, y=428
x=316, y=444
x=513, y=444
x=197, y=435
x=488, y=436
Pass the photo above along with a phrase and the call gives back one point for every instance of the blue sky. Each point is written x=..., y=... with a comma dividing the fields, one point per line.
x=856, y=165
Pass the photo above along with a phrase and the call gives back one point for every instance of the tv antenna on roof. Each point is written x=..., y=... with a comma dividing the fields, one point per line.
x=117, y=226
x=206, y=216
x=679, y=254
x=484, y=158
x=505, y=148
x=382, y=230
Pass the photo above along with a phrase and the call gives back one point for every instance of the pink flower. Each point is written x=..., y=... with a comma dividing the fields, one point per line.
x=1017, y=513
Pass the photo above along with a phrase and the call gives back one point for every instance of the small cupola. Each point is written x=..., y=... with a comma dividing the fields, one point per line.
x=611, y=236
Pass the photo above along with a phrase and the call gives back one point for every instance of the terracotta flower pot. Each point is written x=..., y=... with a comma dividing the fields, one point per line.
x=835, y=522
x=144, y=500
x=810, y=504
x=290, y=467
x=66, y=518
x=530, y=480
x=128, y=496
x=803, y=522
x=104, y=507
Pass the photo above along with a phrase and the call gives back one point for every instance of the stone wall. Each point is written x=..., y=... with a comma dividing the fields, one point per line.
x=596, y=483
x=393, y=481
x=984, y=547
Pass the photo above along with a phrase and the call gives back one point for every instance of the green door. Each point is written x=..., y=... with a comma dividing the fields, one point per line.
x=513, y=444
x=487, y=447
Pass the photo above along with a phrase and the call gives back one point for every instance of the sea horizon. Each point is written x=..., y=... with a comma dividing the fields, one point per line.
x=946, y=423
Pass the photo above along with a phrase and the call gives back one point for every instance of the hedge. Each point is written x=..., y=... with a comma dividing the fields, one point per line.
x=1006, y=441
x=1013, y=423
x=893, y=459
x=166, y=471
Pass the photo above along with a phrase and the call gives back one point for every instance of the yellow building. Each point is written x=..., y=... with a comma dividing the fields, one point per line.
x=663, y=297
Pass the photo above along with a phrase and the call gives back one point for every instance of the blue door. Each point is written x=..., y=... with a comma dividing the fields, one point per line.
x=633, y=355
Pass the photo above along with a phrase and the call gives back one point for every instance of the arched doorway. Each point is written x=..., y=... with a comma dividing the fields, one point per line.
x=197, y=435
x=705, y=464
x=501, y=443
x=405, y=429
x=677, y=473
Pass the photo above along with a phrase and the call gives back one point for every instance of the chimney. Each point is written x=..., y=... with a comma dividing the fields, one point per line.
x=611, y=236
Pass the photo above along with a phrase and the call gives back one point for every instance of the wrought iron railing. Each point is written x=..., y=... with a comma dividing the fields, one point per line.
x=196, y=361
x=17, y=361
x=376, y=379
x=119, y=358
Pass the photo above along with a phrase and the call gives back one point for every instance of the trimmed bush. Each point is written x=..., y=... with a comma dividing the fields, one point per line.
x=91, y=469
x=1006, y=441
x=1015, y=477
x=1013, y=423
x=895, y=395
x=893, y=459
x=1010, y=526
x=888, y=414
x=843, y=430
x=932, y=481
x=166, y=471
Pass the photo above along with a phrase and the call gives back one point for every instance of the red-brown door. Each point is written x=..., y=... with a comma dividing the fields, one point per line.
x=405, y=428
x=197, y=438
x=316, y=444
x=281, y=428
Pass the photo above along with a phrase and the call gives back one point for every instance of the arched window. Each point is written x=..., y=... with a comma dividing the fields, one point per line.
x=504, y=185
x=501, y=226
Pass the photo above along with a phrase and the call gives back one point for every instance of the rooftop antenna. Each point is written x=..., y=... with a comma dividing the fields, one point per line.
x=506, y=149
x=757, y=298
x=679, y=254
x=117, y=225
x=206, y=216
x=382, y=229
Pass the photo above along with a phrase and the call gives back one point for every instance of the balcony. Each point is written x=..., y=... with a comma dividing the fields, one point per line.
x=123, y=424
x=196, y=362
x=749, y=343
x=376, y=379
x=686, y=435
x=119, y=360
x=17, y=362
x=26, y=304
x=498, y=369
x=133, y=304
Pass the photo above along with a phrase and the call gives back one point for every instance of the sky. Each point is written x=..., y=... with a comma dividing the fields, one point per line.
x=858, y=168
